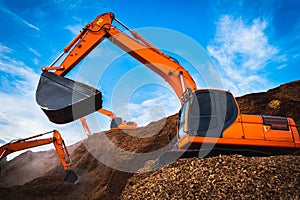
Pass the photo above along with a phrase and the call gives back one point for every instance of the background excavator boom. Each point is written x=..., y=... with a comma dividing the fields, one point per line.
x=30, y=142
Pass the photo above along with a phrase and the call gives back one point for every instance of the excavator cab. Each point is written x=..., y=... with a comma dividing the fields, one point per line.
x=210, y=124
x=64, y=100
x=212, y=118
x=115, y=122
x=207, y=113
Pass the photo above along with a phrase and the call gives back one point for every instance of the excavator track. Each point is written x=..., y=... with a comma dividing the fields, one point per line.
x=171, y=156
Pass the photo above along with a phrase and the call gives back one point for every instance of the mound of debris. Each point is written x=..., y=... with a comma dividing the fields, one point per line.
x=39, y=163
x=212, y=178
x=223, y=177
x=96, y=180
x=28, y=166
x=281, y=101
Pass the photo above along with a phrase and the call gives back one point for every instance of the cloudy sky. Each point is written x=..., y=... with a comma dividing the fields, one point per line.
x=254, y=46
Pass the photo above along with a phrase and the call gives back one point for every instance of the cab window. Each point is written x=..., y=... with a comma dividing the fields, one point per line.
x=181, y=121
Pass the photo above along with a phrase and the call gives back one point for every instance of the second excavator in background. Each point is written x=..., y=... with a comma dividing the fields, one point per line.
x=115, y=124
x=30, y=142
x=209, y=119
x=118, y=122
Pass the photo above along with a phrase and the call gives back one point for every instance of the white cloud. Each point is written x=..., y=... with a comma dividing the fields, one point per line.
x=36, y=61
x=17, y=18
x=281, y=66
x=241, y=52
x=150, y=110
x=24, y=77
x=74, y=29
x=20, y=116
x=37, y=54
x=4, y=50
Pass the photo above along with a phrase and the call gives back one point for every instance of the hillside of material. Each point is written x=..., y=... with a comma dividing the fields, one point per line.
x=221, y=177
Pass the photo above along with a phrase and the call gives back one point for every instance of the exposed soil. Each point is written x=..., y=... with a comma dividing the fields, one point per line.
x=28, y=166
x=223, y=177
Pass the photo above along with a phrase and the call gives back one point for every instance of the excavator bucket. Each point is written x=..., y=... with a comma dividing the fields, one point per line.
x=71, y=176
x=64, y=100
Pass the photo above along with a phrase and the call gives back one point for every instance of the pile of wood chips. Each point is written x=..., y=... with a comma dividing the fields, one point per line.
x=222, y=177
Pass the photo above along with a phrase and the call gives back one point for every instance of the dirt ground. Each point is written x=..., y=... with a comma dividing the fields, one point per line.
x=97, y=181
x=281, y=101
x=222, y=177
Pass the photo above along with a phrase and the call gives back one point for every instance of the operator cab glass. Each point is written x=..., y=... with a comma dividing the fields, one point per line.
x=115, y=122
x=181, y=121
x=209, y=113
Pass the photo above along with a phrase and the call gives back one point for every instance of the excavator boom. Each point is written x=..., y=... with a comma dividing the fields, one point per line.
x=31, y=142
x=137, y=46
x=74, y=105
x=22, y=144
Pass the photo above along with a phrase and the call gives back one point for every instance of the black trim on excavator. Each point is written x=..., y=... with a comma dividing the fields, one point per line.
x=276, y=123
x=216, y=150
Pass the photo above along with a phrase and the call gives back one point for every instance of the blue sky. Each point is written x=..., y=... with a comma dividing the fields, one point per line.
x=254, y=46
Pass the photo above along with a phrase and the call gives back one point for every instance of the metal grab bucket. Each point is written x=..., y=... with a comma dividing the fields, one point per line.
x=71, y=176
x=64, y=100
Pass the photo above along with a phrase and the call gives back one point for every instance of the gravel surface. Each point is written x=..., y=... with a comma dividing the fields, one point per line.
x=223, y=177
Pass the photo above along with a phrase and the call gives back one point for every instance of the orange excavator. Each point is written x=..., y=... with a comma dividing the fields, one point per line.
x=209, y=122
x=30, y=142
x=118, y=122
x=85, y=126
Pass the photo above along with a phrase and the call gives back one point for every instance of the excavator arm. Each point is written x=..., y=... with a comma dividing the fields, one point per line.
x=30, y=142
x=138, y=47
x=90, y=37
x=22, y=144
x=85, y=126
x=107, y=113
